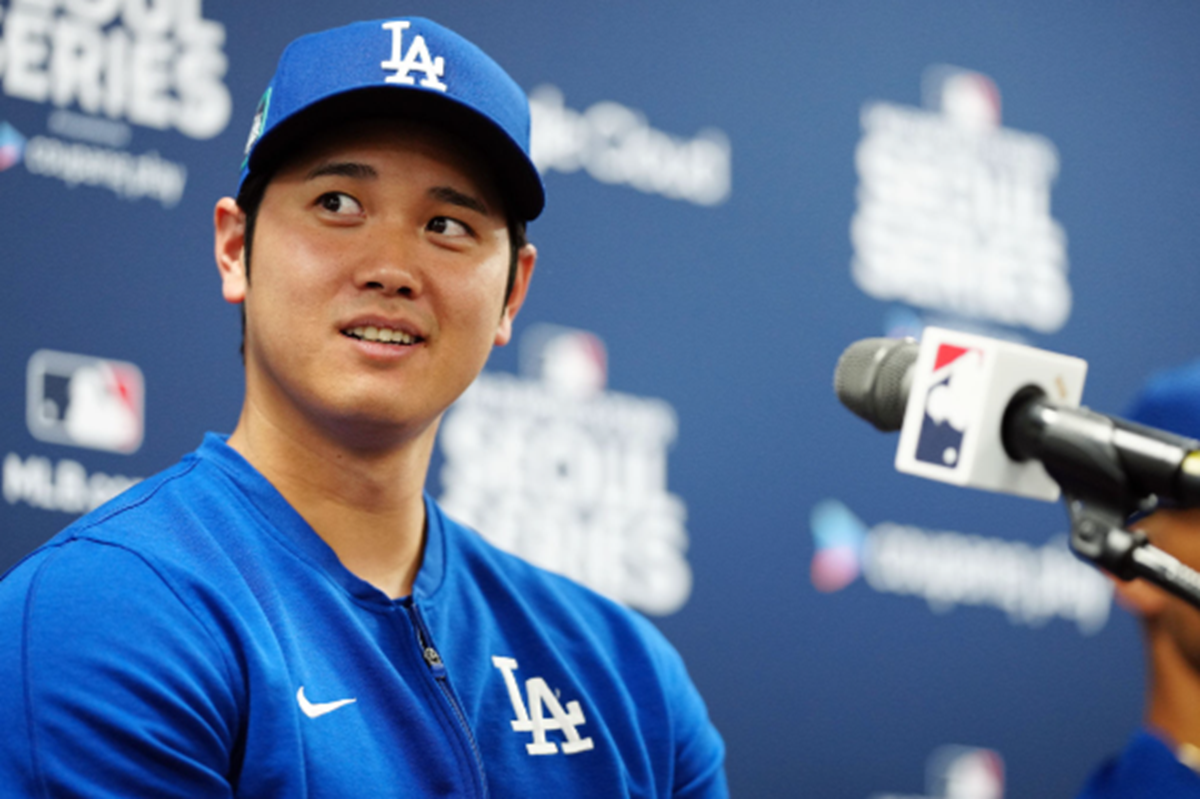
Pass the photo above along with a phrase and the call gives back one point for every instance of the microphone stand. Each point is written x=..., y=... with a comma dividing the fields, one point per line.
x=1098, y=535
x=1103, y=482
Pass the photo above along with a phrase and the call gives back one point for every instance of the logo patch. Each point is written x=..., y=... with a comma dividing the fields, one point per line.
x=83, y=401
x=259, y=122
x=417, y=59
x=533, y=718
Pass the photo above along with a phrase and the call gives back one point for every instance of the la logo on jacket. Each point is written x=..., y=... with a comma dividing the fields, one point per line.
x=533, y=718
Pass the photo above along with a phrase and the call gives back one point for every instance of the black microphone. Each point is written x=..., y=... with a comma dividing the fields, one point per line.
x=1093, y=457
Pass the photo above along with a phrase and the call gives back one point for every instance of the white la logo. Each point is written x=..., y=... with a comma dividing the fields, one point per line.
x=533, y=720
x=417, y=59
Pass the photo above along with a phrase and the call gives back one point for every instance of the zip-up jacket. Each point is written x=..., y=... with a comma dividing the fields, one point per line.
x=196, y=638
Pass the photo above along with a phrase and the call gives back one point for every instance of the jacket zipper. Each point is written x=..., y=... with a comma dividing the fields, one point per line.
x=438, y=668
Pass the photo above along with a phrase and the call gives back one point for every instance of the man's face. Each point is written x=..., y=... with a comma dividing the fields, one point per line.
x=381, y=256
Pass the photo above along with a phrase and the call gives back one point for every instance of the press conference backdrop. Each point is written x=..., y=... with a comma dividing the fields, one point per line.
x=736, y=192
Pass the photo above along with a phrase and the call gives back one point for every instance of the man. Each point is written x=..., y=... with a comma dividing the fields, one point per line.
x=285, y=613
x=1162, y=760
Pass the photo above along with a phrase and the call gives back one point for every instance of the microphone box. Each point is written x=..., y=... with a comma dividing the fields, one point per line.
x=961, y=387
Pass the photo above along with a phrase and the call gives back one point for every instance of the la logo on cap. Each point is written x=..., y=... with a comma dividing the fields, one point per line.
x=417, y=59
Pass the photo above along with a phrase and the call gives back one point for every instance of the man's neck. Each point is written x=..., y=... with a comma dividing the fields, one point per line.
x=366, y=504
x=1174, y=693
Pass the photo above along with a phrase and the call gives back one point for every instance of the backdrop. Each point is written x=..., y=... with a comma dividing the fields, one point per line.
x=736, y=193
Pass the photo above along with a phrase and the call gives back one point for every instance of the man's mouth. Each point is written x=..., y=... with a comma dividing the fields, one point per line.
x=381, y=334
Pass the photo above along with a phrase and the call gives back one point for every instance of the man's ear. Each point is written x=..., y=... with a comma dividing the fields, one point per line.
x=229, y=241
x=1141, y=597
x=526, y=259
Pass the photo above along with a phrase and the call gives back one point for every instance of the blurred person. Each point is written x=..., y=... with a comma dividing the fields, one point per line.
x=1162, y=760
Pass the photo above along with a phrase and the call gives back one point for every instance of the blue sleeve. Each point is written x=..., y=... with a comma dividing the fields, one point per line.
x=699, y=750
x=119, y=688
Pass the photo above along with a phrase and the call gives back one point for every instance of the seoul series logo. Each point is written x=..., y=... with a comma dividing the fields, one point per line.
x=954, y=210
x=955, y=391
x=83, y=401
x=558, y=469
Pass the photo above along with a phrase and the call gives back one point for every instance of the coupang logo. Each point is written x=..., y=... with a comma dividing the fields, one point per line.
x=948, y=569
x=103, y=66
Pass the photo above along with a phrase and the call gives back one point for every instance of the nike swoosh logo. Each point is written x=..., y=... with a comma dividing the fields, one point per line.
x=315, y=709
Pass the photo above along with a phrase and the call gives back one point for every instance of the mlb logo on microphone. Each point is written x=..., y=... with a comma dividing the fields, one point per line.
x=961, y=387
x=956, y=391
x=82, y=401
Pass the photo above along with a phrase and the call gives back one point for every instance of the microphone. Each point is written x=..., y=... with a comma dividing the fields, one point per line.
x=1000, y=416
x=991, y=414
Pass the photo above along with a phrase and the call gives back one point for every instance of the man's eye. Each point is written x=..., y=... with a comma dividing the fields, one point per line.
x=445, y=226
x=337, y=202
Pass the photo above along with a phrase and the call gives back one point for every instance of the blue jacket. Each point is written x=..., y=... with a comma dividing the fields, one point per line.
x=196, y=638
x=1146, y=769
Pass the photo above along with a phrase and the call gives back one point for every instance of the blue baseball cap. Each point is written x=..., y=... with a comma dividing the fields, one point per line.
x=408, y=68
x=1170, y=400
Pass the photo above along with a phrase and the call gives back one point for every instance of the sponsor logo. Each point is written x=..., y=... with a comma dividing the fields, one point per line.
x=617, y=145
x=416, y=60
x=568, y=475
x=954, y=210
x=83, y=401
x=130, y=177
x=12, y=146
x=533, y=718
x=1031, y=585
x=960, y=772
x=317, y=709
x=955, y=391
x=64, y=486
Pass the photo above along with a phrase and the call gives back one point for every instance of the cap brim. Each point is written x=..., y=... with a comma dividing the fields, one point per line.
x=517, y=178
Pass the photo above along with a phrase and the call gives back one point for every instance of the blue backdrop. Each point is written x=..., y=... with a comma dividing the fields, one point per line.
x=736, y=193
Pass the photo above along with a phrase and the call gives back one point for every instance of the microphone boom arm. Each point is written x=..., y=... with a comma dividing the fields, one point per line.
x=1091, y=456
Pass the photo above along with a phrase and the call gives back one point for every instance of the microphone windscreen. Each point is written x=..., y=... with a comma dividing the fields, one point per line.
x=873, y=378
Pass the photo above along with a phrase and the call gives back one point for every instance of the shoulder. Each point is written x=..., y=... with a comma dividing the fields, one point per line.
x=170, y=517
x=143, y=559
x=557, y=601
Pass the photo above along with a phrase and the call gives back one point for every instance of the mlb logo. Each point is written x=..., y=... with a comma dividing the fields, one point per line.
x=569, y=361
x=965, y=772
x=955, y=393
x=83, y=401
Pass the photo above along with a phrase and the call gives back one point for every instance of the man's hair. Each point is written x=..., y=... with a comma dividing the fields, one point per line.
x=250, y=198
